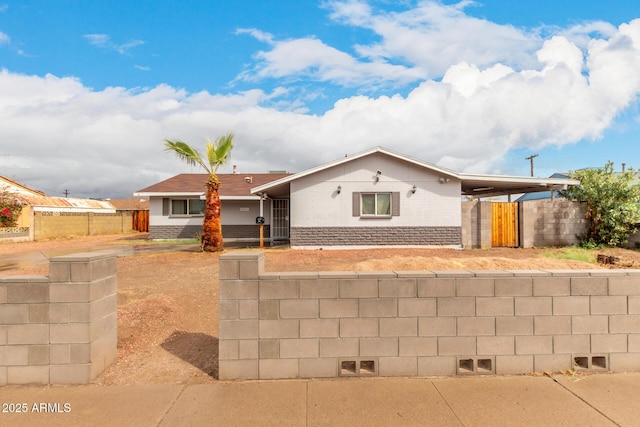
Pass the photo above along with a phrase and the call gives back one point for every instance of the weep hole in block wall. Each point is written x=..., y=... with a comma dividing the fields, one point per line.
x=590, y=361
x=358, y=367
x=476, y=365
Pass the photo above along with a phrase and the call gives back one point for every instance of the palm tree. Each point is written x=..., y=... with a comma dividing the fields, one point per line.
x=218, y=153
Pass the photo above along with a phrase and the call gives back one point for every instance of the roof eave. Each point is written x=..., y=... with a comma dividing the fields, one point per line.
x=265, y=187
x=168, y=194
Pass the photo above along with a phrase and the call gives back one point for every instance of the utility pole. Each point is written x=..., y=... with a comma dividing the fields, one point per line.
x=530, y=158
x=66, y=193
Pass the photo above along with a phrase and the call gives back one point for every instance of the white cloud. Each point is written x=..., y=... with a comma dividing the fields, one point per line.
x=434, y=36
x=415, y=44
x=100, y=40
x=4, y=38
x=109, y=142
x=310, y=58
x=104, y=41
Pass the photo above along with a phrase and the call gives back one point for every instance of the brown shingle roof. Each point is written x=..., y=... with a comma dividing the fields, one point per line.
x=133, y=204
x=230, y=184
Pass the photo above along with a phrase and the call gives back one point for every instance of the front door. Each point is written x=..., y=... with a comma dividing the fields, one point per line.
x=280, y=223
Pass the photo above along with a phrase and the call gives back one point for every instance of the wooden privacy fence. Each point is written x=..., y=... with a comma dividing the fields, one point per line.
x=504, y=224
x=140, y=221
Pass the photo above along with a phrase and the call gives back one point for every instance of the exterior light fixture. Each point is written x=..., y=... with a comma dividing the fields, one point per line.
x=378, y=175
x=339, y=189
x=413, y=190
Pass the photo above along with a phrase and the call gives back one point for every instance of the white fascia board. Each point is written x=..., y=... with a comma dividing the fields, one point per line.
x=172, y=194
x=253, y=198
x=518, y=179
x=263, y=188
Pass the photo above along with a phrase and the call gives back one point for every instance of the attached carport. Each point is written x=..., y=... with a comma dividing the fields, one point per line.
x=499, y=223
x=482, y=186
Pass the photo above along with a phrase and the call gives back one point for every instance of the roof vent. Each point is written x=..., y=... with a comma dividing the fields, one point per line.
x=248, y=179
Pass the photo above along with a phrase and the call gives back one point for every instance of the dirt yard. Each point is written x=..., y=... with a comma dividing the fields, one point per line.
x=168, y=302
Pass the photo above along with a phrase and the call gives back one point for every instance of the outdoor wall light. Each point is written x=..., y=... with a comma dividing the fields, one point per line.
x=339, y=189
x=413, y=190
x=378, y=175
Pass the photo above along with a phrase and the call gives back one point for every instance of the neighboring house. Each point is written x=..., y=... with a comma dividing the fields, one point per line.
x=40, y=202
x=133, y=204
x=37, y=205
x=543, y=195
x=139, y=210
x=373, y=198
x=176, y=208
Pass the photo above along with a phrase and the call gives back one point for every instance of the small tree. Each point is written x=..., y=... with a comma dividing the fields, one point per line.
x=217, y=153
x=10, y=209
x=613, y=204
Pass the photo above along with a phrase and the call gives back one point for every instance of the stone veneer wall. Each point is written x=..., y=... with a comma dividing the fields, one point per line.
x=243, y=232
x=61, y=328
x=379, y=236
x=421, y=323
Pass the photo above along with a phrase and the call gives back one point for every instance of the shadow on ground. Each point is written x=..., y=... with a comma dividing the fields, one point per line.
x=196, y=348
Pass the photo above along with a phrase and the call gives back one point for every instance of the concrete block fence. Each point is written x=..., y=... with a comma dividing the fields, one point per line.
x=422, y=323
x=61, y=328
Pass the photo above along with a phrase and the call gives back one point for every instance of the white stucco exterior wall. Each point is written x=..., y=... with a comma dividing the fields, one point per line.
x=315, y=202
x=233, y=212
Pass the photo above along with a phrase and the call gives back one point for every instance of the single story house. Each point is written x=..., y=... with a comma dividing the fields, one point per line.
x=176, y=207
x=373, y=198
x=37, y=205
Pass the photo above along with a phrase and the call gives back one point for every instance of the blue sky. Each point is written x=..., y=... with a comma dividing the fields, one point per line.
x=88, y=90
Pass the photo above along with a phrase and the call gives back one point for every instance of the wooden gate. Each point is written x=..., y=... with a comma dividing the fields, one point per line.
x=140, y=221
x=504, y=224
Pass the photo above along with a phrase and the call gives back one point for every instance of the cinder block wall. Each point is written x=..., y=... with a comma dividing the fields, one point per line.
x=541, y=223
x=551, y=222
x=59, y=329
x=476, y=224
x=49, y=225
x=420, y=323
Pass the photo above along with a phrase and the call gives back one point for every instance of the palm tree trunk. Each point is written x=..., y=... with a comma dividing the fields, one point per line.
x=211, y=226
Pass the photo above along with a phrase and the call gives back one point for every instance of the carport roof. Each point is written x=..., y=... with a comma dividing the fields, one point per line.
x=472, y=185
x=500, y=185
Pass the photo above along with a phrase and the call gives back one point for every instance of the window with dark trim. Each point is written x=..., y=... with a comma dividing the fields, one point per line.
x=376, y=205
x=187, y=207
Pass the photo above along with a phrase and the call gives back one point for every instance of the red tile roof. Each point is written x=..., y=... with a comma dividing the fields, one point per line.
x=230, y=185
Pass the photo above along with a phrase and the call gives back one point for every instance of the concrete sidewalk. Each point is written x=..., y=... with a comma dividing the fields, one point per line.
x=593, y=400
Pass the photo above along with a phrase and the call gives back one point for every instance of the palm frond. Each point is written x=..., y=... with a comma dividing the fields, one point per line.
x=186, y=153
x=219, y=152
